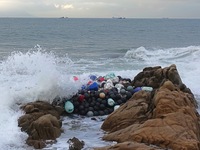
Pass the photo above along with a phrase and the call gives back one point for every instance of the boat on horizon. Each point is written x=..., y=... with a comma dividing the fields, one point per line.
x=118, y=17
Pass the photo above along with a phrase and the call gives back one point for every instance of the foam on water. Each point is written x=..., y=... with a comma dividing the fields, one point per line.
x=186, y=59
x=27, y=77
x=38, y=74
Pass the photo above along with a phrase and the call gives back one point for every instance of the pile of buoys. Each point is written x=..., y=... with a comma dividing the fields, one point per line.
x=101, y=95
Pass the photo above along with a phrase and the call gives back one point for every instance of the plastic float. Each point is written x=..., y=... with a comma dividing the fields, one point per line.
x=101, y=95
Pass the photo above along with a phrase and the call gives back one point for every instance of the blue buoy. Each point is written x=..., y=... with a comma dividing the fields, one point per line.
x=93, y=77
x=137, y=89
x=94, y=86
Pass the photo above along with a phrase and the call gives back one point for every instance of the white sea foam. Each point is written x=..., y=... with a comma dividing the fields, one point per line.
x=186, y=59
x=26, y=77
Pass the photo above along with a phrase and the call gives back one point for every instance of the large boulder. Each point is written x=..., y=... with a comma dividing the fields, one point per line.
x=155, y=76
x=41, y=122
x=136, y=110
x=166, y=117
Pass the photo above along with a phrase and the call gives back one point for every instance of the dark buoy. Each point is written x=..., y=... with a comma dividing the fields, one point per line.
x=102, y=106
x=101, y=113
x=96, y=113
x=90, y=108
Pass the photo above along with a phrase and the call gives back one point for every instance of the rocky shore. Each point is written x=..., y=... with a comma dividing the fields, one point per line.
x=164, y=116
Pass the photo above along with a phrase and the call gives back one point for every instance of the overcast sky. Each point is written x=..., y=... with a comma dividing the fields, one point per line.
x=101, y=8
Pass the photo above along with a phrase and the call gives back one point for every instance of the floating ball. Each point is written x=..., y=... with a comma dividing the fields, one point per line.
x=86, y=95
x=102, y=95
x=76, y=103
x=123, y=91
x=92, y=104
x=97, y=94
x=97, y=103
x=89, y=100
x=106, y=111
x=81, y=107
x=111, y=110
x=116, y=107
x=111, y=102
x=75, y=110
x=81, y=98
x=96, y=108
x=113, y=96
x=82, y=112
x=90, y=114
x=103, y=102
x=119, y=86
x=147, y=88
x=96, y=113
x=115, y=79
x=69, y=107
x=110, y=93
x=102, y=106
x=129, y=88
x=136, y=89
x=101, y=113
x=75, y=78
x=128, y=95
x=101, y=79
x=99, y=100
x=93, y=86
x=86, y=104
x=123, y=99
x=118, y=96
x=108, y=84
x=90, y=108
x=119, y=102
x=93, y=77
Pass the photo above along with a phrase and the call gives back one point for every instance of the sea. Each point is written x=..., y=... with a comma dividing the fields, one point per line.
x=40, y=56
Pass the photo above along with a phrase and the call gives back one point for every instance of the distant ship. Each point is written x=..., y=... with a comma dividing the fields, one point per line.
x=63, y=17
x=118, y=17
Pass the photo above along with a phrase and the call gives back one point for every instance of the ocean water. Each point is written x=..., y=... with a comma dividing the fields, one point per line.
x=39, y=57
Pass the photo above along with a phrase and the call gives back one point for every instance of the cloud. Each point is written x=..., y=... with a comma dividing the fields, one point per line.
x=67, y=6
x=64, y=6
x=101, y=8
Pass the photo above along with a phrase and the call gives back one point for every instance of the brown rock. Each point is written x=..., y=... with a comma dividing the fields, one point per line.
x=46, y=127
x=174, y=122
x=41, y=106
x=129, y=146
x=37, y=144
x=136, y=110
x=75, y=144
x=25, y=121
x=155, y=76
x=41, y=122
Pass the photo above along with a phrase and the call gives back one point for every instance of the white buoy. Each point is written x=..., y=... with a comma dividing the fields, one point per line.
x=111, y=102
x=116, y=107
x=147, y=88
x=90, y=114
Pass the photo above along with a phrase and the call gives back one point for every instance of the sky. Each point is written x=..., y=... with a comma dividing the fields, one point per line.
x=101, y=8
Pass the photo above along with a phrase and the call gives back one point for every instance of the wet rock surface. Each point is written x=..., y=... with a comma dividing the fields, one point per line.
x=153, y=111
x=166, y=117
x=75, y=144
x=41, y=122
x=130, y=146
